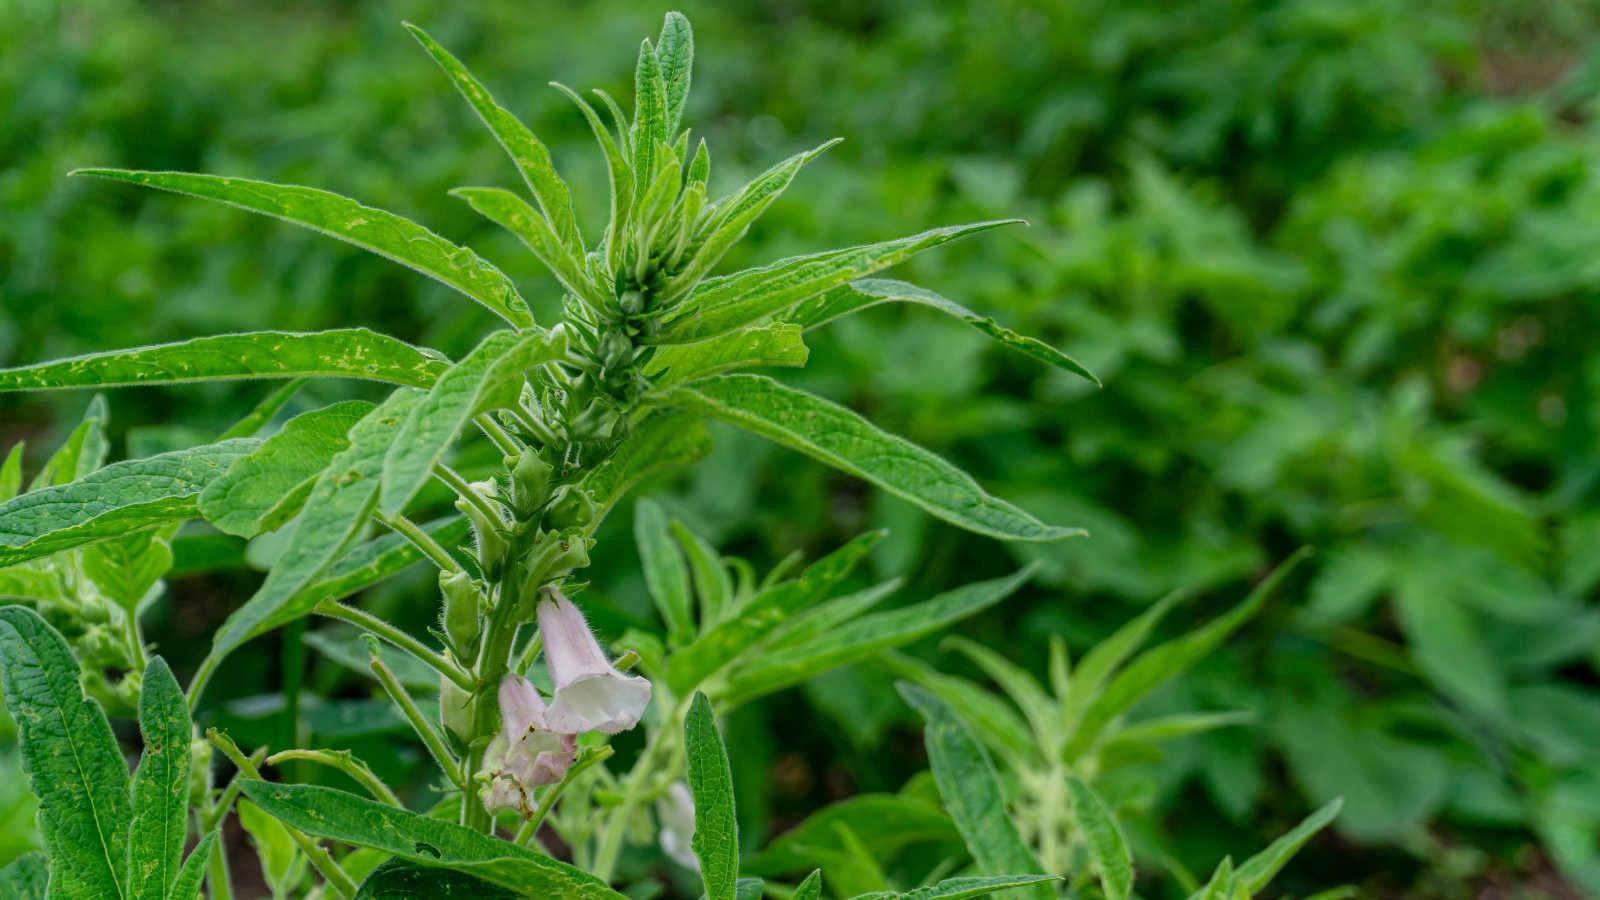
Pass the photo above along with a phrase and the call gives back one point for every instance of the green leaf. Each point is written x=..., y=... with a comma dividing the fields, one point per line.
x=530, y=226
x=1158, y=664
x=190, y=877
x=274, y=846
x=965, y=887
x=160, y=786
x=841, y=438
x=858, y=295
x=810, y=889
x=398, y=879
x=340, y=502
x=11, y=473
x=348, y=648
x=258, y=417
x=731, y=217
x=376, y=560
x=776, y=344
x=716, y=832
x=126, y=568
x=489, y=377
x=1103, y=658
x=122, y=497
x=665, y=440
x=345, y=352
x=82, y=452
x=675, y=48
x=665, y=573
x=71, y=759
x=828, y=615
x=865, y=637
x=529, y=154
x=971, y=791
x=380, y=232
x=649, y=114
x=619, y=174
x=1258, y=871
x=1168, y=728
x=733, y=301
x=267, y=488
x=1020, y=686
x=725, y=641
x=26, y=877
x=1104, y=840
x=995, y=722
x=886, y=824
x=712, y=582
x=340, y=816
x=1223, y=885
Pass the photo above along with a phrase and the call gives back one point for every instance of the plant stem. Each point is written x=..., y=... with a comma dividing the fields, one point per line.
x=528, y=420
x=419, y=723
x=345, y=762
x=456, y=483
x=422, y=541
x=494, y=659
x=610, y=844
x=531, y=827
x=507, y=444
x=529, y=654
x=319, y=858
x=369, y=622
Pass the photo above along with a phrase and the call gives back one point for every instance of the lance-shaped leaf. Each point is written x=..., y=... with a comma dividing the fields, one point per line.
x=71, y=759
x=665, y=573
x=109, y=502
x=828, y=615
x=341, y=816
x=265, y=489
x=860, y=294
x=649, y=114
x=1104, y=840
x=810, y=889
x=732, y=216
x=1257, y=871
x=844, y=440
x=864, y=638
x=11, y=473
x=160, y=785
x=489, y=377
x=527, y=151
x=82, y=452
x=995, y=721
x=666, y=440
x=971, y=791
x=193, y=872
x=1097, y=665
x=675, y=49
x=885, y=823
x=258, y=417
x=965, y=887
x=342, y=353
x=775, y=344
x=723, y=304
x=530, y=226
x=619, y=174
x=725, y=641
x=344, y=496
x=336, y=216
x=716, y=832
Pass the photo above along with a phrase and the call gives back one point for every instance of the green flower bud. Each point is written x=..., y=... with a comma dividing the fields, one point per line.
x=631, y=302
x=574, y=508
x=199, y=772
x=460, y=616
x=457, y=708
x=530, y=484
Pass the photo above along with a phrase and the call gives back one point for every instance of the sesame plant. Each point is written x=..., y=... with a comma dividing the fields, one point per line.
x=649, y=345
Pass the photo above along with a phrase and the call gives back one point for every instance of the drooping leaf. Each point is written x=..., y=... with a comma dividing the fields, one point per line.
x=341, y=353
x=965, y=887
x=860, y=294
x=25, y=878
x=528, y=152
x=666, y=440
x=264, y=490
x=865, y=637
x=1106, y=846
x=160, y=786
x=489, y=377
x=971, y=791
x=70, y=757
x=274, y=846
x=1258, y=871
x=400, y=879
x=723, y=642
x=336, y=216
x=846, y=441
x=337, y=508
x=536, y=233
x=122, y=497
x=777, y=344
x=716, y=832
x=341, y=816
x=720, y=305
x=665, y=573
x=193, y=872
x=675, y=48
x=885, y=823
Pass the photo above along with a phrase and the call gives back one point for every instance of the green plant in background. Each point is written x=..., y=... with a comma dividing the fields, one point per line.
x=579, y=412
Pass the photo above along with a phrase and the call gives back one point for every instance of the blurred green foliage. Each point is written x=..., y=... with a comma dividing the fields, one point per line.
x=1335, y=261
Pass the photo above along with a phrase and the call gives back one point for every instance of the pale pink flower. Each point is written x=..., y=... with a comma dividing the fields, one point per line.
x=590, y=694
x=527, y=752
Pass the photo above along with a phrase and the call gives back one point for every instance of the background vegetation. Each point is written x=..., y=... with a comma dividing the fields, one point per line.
x=1336, y=263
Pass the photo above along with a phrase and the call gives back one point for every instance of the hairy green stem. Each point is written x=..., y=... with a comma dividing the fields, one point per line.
x=494, y=660
x=507, y=444
x=535, y=426
x=345, y=762
x=531, y=826
x=420, y=724
x=455, y=482
x=378, y=627
x=423, y=541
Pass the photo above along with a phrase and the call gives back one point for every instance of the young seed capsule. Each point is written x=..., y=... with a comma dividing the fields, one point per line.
x=456, y=708
x=530, y=484
x=574, y=508
x=462, y=602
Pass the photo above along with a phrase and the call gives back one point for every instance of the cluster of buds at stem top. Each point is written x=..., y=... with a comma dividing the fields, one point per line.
x=537, y=742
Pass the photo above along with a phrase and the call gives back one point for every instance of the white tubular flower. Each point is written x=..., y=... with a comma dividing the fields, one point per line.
x=590, y=695
x=675, y=809
x=527, y=752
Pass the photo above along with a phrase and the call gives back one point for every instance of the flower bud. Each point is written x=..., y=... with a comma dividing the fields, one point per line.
x=574, y=508
x=460, y=616
x=530, y=484
x=456, y=708
x=199, y=772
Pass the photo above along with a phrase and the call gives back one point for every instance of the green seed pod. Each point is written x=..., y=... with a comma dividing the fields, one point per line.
x=199, y=772
x=573, y=508
x=490, y=534
x=530, y=484
x=456, y=708
x=460, y=616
